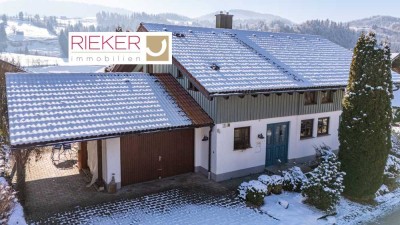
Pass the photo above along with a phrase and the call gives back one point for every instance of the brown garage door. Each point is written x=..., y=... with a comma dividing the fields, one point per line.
x=147, y=157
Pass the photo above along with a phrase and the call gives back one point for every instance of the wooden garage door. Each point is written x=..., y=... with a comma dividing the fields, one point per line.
x=147, y=157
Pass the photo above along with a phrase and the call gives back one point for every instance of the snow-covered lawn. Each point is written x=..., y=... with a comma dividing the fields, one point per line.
x=30, y=31
x=296, y=213
x=31, y=60
x=348, y=212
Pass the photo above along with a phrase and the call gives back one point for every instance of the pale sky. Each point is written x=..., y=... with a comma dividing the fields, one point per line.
x=295, y=10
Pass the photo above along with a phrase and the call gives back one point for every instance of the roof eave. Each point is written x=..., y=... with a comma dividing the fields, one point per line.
x=96, y=137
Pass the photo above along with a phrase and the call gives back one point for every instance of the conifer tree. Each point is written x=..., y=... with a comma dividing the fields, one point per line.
x=364, y=131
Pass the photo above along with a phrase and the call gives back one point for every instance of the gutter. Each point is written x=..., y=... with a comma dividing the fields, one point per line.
x=94, y=138
x=209, y=151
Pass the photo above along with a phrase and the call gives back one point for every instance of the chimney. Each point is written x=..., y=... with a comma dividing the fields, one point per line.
x=223, y=20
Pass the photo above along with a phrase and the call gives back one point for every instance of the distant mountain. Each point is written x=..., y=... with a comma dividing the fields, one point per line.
x=55, y=8
x=388, y=22
x=384, y=26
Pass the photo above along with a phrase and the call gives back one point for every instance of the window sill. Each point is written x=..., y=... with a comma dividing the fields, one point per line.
x=310, y=104
x=242, y=149
x=323, y=135
x=305, y=138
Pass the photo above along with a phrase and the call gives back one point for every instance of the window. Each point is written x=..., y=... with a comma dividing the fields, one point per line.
x=180, y=75
x=192, y=87
x=242, y=138
x=306, y=129
x=310, y=98
x=323, y=126
x=326, y=97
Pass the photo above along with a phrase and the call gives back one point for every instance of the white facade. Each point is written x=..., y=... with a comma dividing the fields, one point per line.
x=112, y=160
x=201, y=149
x=228, y=163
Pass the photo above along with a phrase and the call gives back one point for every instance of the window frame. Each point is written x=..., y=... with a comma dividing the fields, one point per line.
x=314, y=102
x=322, y=125
x=311, y=127
x=330, y=95
x=245, y=141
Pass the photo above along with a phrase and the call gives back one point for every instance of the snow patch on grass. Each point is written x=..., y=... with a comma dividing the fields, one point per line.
x=17, y=215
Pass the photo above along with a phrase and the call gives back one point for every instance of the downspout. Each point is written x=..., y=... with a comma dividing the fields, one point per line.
x=209, y=151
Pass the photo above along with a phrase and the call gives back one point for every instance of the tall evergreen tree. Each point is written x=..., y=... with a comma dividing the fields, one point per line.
x=364, y=131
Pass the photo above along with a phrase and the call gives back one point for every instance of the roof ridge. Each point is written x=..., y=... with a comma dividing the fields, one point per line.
x=240, y=30
x=267, y=56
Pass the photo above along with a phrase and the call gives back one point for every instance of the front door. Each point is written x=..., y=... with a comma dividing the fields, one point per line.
x=277, y=143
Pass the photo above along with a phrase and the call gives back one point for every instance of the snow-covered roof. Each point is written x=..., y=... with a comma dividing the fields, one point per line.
x=258, y=61
x=393, y=55
x=45, y=108
x=66, y=69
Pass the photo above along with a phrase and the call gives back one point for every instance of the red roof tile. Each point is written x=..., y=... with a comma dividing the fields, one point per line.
x=185, y=101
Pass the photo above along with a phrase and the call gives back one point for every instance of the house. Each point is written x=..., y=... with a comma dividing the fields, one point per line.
x=133, y=126
x=273, y=97
x=232, y=103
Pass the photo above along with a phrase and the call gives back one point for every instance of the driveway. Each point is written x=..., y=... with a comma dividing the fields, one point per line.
x=57, y=194
x=174, y=206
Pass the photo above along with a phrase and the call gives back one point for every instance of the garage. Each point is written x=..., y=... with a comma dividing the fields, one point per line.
x=151, y=156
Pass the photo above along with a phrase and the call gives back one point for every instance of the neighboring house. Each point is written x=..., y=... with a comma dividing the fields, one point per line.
x=396, y=62
x=396, y=67
x=273, y=96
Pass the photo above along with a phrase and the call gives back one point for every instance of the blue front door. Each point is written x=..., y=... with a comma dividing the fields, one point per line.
x=277, y=143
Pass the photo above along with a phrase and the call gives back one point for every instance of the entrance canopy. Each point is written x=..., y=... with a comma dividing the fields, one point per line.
x=60, y=107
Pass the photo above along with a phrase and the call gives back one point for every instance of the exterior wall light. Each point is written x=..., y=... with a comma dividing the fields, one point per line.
x=205, y=138
x=261, y=136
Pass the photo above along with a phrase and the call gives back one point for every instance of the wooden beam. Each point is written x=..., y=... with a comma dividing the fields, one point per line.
x=82, y=156
x=100, y=180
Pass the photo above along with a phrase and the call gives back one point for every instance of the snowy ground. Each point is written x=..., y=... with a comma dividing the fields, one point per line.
x=30, y=31
x=37, y=40
x=17, y=216
x=31, y=60
x=348, y=213
x=179, y=207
